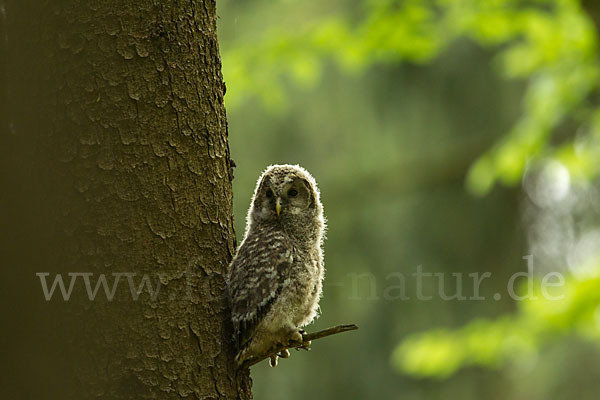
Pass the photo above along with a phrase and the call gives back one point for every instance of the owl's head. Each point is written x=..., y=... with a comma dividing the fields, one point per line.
x=288, y=194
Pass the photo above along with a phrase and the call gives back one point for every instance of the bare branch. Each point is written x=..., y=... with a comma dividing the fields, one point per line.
x=306, y=337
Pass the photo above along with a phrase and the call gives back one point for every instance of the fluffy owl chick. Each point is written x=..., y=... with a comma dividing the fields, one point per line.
x=275, y=279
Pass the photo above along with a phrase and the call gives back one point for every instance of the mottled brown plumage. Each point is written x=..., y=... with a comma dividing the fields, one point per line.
x=275, y=279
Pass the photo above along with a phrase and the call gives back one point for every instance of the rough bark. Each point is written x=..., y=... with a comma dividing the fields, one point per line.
x=114, y=147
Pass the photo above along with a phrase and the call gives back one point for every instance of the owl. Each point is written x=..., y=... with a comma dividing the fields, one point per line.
x=275, y=279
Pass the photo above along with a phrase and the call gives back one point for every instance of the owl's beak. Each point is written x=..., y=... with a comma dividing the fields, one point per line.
x=278, y=206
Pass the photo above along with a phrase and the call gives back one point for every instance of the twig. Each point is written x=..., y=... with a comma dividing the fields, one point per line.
x=306, y=337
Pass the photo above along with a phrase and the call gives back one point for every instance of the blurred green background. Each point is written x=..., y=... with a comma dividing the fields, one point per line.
x=455, y=136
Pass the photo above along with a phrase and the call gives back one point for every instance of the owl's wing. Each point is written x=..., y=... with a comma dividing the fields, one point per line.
x=258, y=273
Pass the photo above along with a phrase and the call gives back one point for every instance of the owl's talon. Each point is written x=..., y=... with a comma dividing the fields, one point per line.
x=273, y=361
x=306, y=345
x=285, y=353
x=295, y=337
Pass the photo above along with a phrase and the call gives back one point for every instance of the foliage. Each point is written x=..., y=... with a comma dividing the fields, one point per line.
x=551, y=44
x=573, y=309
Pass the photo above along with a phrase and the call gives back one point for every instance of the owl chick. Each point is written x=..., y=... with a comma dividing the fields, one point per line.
x=275, y=279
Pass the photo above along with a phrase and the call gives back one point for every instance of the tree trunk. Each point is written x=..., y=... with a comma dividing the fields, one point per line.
x=115, y=161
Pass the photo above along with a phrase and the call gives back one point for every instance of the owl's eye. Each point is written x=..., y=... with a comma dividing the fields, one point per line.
x=269, y=193
x=292, y=192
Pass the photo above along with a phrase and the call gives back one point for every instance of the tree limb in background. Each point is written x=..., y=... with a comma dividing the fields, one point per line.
x=306, y=337
x=593, y=9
